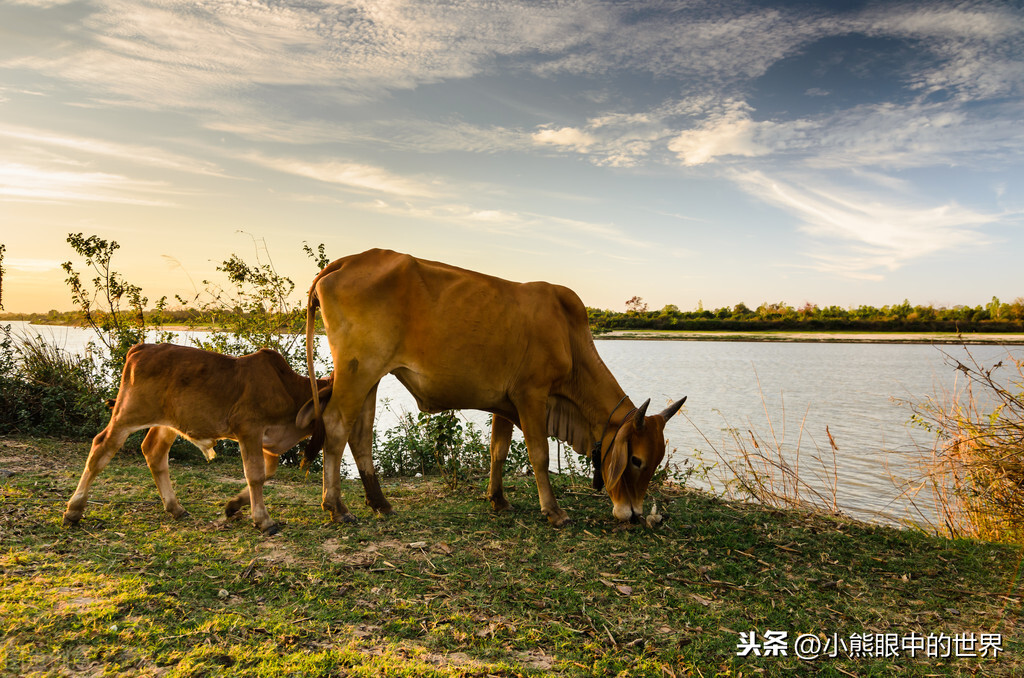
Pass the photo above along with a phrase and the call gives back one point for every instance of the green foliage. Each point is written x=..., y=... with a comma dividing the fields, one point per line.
x=45, y=390
x=110, y=305
x=995, y=316
x=438, y=444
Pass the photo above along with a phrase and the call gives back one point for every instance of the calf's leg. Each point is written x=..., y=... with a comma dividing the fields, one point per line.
x=104, y=446
x=255, y=475
x=155, y=447
x=270, y=461
x=501, y=438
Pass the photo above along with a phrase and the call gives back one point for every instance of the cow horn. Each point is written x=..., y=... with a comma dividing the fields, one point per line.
x=638, y=421
x=673, y=408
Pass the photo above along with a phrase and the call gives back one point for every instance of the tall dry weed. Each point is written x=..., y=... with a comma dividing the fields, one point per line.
x=975, y=473
x=773, y=471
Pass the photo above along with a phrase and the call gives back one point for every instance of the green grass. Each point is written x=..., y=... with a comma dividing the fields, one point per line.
x=446, y=588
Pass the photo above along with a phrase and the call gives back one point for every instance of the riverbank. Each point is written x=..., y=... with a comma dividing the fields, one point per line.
x=447, y=588
x=972, y=339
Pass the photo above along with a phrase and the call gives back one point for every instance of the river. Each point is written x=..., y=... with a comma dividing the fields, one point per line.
x=788, y=392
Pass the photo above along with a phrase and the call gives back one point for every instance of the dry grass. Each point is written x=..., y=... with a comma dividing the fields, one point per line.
x=975, y=472
x=769, y=470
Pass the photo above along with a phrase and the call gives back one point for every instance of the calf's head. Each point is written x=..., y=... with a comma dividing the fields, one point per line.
x=634, y=455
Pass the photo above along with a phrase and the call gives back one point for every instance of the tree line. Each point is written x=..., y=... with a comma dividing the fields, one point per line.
x=995, y=316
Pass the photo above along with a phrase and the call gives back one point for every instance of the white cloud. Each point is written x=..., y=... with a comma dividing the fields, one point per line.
x=568, y=137
x=28, y=183
x=859, y=234
x=350, y=175
x=32, y=265
x=91, y=148
x=730, y=133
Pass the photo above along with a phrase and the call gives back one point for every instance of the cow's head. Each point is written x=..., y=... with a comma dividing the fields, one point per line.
x=633, y=456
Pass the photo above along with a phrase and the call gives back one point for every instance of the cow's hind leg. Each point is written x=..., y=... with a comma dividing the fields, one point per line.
x=270, y=461
x=360, y=441
x=501, y=438
x=156, y=446
x=255, y=475
x=104, y=446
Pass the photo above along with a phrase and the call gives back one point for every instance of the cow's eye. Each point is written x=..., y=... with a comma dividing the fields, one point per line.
x=636, y=461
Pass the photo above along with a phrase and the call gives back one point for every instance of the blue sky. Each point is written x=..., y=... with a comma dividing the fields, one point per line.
x=688, y=152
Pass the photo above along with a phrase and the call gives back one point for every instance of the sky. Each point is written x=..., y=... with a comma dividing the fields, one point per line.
x=690, y=153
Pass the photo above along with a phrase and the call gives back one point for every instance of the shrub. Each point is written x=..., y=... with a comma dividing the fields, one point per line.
x=438, y=444
x=47, y=390
x=976, y=472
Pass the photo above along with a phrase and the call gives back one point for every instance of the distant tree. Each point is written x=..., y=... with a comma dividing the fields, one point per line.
x=636, y=305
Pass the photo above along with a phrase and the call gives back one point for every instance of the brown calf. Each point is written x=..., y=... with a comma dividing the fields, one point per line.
x=178, y=390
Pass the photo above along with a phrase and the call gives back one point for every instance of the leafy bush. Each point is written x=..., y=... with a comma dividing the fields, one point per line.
x=44, y=390
x=439, y=444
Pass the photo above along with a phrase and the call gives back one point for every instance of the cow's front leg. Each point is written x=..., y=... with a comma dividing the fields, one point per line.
x=533, y=419
x=255, y=476
x=501, y=438
x=361, y=444
x=104, y=446
x=156, y=447
x=270, y=462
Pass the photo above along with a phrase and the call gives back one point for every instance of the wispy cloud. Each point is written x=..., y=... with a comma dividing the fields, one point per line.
x=350, y=175
x=27, y=183
x=148, y=156
x=862, y=235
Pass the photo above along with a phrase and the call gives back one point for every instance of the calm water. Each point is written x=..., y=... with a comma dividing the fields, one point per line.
x=795, y=389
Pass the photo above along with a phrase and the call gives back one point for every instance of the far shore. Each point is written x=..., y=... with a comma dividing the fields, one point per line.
x=973, y=338
x=791, y=336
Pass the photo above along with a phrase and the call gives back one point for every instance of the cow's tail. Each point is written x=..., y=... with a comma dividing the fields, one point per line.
x=316, y=439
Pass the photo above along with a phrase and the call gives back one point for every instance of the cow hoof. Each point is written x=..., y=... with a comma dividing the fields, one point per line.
x=272, y=530
x=71, y=521
x=343, y=518
x=181, y=516
x=501, y=506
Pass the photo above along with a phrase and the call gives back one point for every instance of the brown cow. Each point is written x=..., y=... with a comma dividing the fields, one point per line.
x=458, y=339
x=204, y=397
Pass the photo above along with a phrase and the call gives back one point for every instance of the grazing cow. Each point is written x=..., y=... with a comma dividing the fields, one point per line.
x=204, y=397
x=458, y=339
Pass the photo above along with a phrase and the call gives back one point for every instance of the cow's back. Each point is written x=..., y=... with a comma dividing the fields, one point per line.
x=447, y=333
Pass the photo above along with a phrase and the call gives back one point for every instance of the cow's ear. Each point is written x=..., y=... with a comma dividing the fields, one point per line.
x=305, y=416
x=615, y=465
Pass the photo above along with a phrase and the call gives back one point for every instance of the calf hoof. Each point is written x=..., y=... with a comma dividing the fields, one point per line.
x=559, y=519
x=342, y=518
x=71, y=520
x=181, y=516
x=273, y=529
